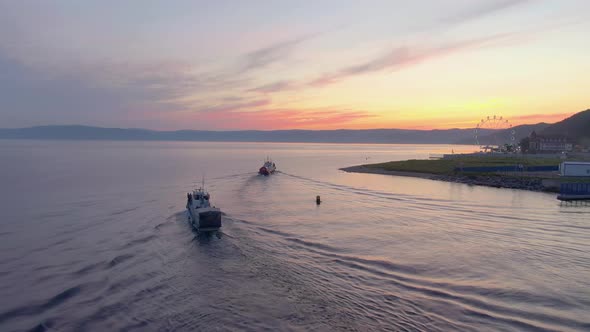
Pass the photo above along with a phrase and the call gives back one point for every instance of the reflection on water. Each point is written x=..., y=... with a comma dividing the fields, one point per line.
x=93, y=236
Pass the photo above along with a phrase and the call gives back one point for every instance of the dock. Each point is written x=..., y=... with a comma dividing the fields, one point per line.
x=574, y=192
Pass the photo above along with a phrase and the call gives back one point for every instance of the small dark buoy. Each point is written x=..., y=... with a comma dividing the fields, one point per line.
x=318, y=200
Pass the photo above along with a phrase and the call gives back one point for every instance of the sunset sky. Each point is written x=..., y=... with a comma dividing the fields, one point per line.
x=273, y=64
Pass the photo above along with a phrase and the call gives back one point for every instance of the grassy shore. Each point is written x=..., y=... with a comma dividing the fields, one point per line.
x=450, y=170
x=448, y=166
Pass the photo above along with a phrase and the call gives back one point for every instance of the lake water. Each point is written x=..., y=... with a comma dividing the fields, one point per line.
x=94, y=237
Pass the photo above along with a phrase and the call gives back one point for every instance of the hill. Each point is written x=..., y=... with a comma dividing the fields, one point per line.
x=505, y=135
x=576, y=127
x=447, y=136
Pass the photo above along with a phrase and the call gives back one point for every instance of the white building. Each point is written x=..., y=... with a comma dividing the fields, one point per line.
x=574, y=168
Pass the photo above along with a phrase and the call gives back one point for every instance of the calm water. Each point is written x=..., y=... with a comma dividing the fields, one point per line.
x=93, y=237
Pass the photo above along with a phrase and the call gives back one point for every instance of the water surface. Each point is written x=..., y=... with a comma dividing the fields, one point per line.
x=93, y=237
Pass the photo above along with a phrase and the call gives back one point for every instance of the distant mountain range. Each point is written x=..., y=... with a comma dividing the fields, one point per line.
x=317, y=136
x=575, y=126
x=506, y=135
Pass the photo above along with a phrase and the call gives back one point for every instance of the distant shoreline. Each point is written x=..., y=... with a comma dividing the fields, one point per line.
x=222, y=141
x=453, y=136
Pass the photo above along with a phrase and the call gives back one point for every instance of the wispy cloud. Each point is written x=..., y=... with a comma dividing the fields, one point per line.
x=81, y=93
x=252, y=105
x=481, y=9
x=41, y=81
x=269, y=55
x=405, y=56
x=102, y=91
x=278, y=118
x=275, y=87
x=541, y=117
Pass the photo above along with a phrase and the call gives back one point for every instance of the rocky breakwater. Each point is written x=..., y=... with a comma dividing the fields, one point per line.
x=497, y=181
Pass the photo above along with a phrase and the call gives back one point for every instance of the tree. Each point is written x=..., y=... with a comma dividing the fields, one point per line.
x=524, y=145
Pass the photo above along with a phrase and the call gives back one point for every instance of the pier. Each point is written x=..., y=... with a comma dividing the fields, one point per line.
x=574, y=192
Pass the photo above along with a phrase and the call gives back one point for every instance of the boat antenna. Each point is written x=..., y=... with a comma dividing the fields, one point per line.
x=203, y=182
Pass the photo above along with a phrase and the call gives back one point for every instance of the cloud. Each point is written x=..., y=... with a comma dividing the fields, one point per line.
x=482, y=9
x=36, y=89
x=266, y=56
x=97, y=94
x=274, y=118
x=541, y=117
x=275, y=87
x=405, y=56
x=232, y=107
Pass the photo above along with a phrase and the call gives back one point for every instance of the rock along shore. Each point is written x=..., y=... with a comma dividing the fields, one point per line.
x=496, y=181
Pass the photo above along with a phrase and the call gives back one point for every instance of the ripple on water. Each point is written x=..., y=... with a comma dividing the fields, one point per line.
x=495, y=305
x=380, y=253
x=49, y=324
x=39, y=308
x=119, y=260
x=139, y=241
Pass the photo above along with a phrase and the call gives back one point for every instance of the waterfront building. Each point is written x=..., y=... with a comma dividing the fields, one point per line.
x=542, y=143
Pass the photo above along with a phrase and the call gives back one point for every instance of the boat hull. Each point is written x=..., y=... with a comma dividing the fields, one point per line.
x=266, y=171
x=205, y=219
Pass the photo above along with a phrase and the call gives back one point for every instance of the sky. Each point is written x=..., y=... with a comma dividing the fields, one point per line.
x=322, y=64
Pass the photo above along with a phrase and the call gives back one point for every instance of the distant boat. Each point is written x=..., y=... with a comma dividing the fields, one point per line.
x=268, y=168
x=202, y=216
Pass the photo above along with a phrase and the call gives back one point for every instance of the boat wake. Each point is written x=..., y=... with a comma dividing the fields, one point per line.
x=379, y=293
x=365, y=259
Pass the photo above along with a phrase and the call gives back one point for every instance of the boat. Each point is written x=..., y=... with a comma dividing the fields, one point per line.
x=268, y=168
x=201, y=215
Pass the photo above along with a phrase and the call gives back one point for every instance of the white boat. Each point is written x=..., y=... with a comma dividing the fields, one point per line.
x=202, y=216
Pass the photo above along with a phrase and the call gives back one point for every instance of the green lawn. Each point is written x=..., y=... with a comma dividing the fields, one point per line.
x=447, y=166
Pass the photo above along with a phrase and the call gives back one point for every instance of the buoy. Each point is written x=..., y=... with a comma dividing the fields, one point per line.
x=318, y=200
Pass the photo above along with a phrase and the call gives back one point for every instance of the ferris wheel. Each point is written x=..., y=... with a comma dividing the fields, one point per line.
x=494, y=132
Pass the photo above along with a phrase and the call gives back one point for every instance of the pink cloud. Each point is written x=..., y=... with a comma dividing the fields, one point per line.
x=274, y=87
x=483, y=9
x=402, y=57
x=237, y=105
x=283, y=118
x=541, y=117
